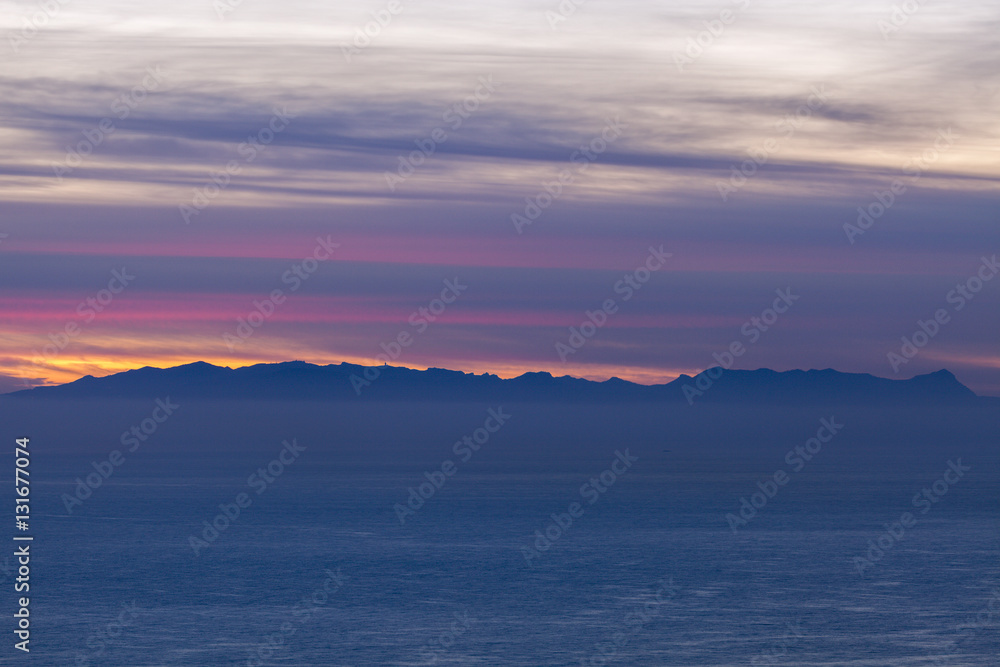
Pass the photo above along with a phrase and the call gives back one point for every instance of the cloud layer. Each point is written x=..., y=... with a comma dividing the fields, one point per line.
x=205, y=149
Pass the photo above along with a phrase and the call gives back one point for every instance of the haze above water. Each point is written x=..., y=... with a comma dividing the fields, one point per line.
x=385, y=538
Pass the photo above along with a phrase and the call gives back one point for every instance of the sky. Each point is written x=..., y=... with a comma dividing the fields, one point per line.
x=167, y=169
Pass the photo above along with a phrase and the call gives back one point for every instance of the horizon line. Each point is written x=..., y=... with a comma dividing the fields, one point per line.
x=503, y=377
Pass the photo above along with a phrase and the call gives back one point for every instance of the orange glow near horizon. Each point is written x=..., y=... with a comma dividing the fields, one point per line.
x=70, y=368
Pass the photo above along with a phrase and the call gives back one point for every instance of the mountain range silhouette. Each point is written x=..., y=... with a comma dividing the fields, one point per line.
x=349, y=382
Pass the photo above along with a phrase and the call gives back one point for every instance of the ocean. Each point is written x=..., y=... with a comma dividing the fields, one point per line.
x=327, y=564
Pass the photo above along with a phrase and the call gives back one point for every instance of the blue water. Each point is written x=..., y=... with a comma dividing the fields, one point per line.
x=650, y=574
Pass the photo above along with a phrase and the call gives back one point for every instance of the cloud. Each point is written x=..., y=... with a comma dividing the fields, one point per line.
x=555, y=91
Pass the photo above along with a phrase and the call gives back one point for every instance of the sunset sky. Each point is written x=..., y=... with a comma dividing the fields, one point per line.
x=116, y=116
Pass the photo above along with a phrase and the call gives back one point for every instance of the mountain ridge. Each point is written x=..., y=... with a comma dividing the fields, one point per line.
x=300, y=380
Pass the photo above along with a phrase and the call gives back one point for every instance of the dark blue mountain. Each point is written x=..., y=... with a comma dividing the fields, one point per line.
x=348, y=382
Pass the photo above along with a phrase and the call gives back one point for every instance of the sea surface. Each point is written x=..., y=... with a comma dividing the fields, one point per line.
x=319, y=569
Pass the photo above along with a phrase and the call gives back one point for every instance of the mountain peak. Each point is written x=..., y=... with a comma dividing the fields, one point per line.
x=304, y=381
